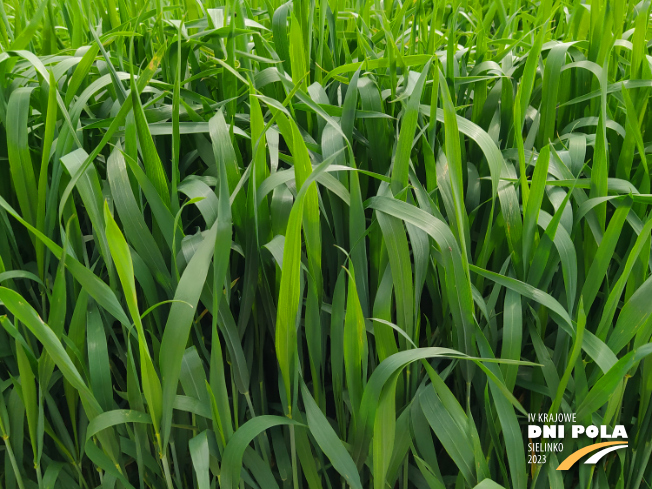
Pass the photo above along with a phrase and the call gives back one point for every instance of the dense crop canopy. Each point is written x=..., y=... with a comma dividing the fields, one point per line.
x=323, y=244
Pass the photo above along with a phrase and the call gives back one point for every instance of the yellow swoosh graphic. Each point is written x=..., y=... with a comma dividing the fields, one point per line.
x=575, y=456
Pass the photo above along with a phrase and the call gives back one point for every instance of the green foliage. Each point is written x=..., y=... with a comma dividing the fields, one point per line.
x=325, y=244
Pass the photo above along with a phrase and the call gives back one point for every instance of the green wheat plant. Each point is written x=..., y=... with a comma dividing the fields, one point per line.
x=323, y=244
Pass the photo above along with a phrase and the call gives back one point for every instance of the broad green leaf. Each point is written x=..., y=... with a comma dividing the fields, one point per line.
x=328, y=441
x=232, y=458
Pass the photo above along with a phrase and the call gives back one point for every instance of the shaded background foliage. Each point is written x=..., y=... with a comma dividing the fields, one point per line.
x=262, y=244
